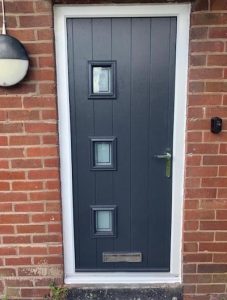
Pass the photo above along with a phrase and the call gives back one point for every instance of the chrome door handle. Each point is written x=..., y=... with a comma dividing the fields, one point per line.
x=168, y=157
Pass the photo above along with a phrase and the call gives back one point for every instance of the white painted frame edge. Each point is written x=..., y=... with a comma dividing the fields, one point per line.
x=182, y=12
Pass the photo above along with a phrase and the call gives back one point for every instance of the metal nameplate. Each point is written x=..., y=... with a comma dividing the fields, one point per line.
x=116, y=257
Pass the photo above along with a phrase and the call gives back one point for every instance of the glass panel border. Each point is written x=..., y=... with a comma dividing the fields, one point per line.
x=112, y=140
x=113, y=210
x=108, y=64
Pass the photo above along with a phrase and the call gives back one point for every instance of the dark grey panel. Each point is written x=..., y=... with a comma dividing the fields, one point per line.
x=141, y=118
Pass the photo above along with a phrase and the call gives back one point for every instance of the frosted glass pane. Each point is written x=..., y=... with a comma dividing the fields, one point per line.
x=103, y=220
x=101, y=80
x=103, y=154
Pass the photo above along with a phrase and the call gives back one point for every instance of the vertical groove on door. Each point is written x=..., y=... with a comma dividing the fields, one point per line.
x=103, y=127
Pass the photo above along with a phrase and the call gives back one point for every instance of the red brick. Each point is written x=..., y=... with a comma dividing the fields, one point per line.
x=193, y=136
x=33, y=250
x=13, y=219
x=48, y=260
x=221, y=236
x=4, y=164
x=199, y=215
x=191, y=204
x=39, y=102
x=6, y=229
x=40, y=127
x=202, y=148
x=29, y=207
x=195, y=112
x=214, y=203
x=42, y=151
x=11, y=152
x=24, y=140
x=52, y=185
x=37, y=292
x=50, y=195
x=43, y=6
x=47, y=88
x=16, y=239
x=11, y=128
x=47, y=238
x=212, y=268
x=211, y=288
x=197, y=60
x=209, y=19
x=42, y=75
x=200, y=5
x=13, y=196
x=5, y=207
x=198, y=236
x=192, y=182
x=206, y=73
x=190, y=247
x=12, y=175
x=213, y=225
x=201, y=171
x=4, y=186
x=207, y=46
x=43, y=174
x=47, y=217
x=31, y=228
x=196, y=87
x=198, y=124
x=17, y=261
x=217, y=60
x=198, y=257
x=26, y=185
x=23, y=35
x=35, y=21
x=205, y=99
x=191, y=225
x=218, y=5
x=51, y=163
x=50, y=139
x=23, y=115
x=214, y=182
x=10, y=102
x=26, y=163
x=218, y=32
x=47, y=62
x=24, y=6
x=200, y=193
x=5, y=250
x=218, y=87
x=194, y=160
x=215, y=160
x=198, y=33
x=189, y=268
x=18, y=282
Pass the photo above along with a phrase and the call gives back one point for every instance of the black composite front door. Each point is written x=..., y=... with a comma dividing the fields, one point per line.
x=121, y=86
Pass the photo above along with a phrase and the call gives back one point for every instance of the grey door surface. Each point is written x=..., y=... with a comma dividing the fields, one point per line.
x=121, y=86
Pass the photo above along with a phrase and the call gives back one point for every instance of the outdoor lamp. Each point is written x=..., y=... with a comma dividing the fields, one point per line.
x=13, y=57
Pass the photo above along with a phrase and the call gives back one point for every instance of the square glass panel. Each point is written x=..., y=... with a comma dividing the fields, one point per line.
x=103, y=153
x=104, y=221
x=101, y=80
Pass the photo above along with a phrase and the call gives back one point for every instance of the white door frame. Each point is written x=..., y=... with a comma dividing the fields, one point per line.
x=61, y=13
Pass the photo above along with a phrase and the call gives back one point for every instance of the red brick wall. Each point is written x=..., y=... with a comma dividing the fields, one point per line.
x=205, y=216
x=30, y=218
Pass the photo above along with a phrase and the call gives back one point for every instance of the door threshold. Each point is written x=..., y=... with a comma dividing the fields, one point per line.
x=168, y=291
x=121, y=278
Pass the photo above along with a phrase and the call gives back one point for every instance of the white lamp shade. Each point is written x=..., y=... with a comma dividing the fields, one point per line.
x=12, y=71
x=13, y=61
